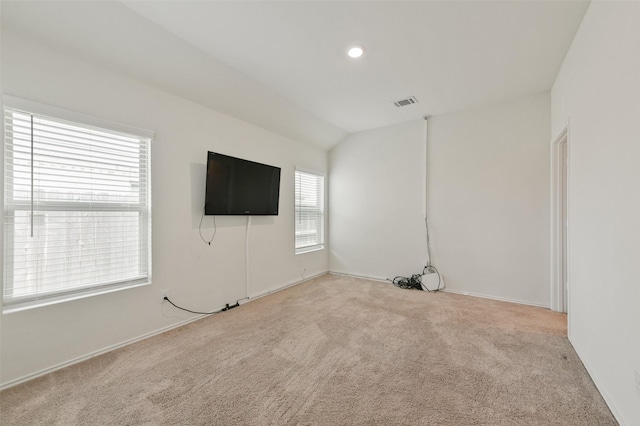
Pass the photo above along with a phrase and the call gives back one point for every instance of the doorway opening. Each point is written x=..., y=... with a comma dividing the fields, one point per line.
x=560, y=222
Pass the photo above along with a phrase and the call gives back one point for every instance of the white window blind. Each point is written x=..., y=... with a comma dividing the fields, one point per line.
x=77, y=209
x=309, y=214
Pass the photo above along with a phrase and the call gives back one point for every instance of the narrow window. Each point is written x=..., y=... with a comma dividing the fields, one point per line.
x=309, y=214
x=77, y=209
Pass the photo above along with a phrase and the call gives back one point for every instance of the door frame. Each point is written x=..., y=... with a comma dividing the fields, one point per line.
x=559, y=260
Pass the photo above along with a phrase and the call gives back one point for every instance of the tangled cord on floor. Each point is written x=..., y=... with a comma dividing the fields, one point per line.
x=415, y=281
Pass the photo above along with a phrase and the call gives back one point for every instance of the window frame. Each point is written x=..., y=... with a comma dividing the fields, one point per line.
x=322, y=212
x=19, y=303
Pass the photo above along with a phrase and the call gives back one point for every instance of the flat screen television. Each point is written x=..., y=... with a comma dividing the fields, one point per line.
x=240, y=187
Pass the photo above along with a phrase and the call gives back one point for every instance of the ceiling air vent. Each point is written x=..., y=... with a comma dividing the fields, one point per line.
x=405, y=102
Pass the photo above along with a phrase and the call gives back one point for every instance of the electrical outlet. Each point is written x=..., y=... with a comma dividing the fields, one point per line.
x=164, y=293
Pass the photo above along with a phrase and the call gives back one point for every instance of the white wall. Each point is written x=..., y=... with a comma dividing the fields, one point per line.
x=598, y=93
x=488, y=199
x=376, y=202
x=198, y=276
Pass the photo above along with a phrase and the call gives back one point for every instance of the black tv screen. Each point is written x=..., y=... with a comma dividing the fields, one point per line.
x=240, y=187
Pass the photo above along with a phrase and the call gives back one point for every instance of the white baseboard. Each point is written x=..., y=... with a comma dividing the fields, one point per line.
x=502, y=299
x=110, y=348
x=263, y=293
x=598, y=384
x=364, y=277
x=79, y=359
x=444, y=289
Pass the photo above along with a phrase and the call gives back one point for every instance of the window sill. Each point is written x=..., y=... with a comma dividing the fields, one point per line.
x=32, y=304
x=309, y=249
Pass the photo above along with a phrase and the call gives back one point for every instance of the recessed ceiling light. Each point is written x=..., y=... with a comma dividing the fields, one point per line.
x=355, y=51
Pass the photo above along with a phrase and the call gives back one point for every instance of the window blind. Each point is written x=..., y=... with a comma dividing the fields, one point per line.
x=309, y=211
x=77, y=208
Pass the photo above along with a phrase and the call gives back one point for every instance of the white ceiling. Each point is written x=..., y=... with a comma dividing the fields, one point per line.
x=282, y=65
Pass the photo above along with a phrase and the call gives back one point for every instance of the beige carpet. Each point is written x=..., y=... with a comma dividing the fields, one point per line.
x=334, y=350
